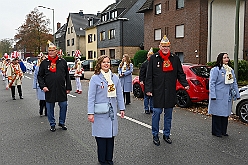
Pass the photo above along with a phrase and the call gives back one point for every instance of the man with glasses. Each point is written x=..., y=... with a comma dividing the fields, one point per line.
x=54, y=80
x=164, y=68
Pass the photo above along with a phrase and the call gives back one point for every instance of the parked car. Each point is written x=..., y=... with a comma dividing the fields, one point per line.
x=198, y=79
x=240, y=107
x=115, y=62
x=71, y=70
x=86, y=64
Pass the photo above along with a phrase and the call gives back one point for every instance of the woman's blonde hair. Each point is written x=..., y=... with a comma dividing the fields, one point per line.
x=40, y=60
x=128, y=61
x=98, y=63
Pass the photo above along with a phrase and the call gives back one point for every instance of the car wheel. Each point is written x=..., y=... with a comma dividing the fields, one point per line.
x=183, y=99
x=137, y=91
x=242, y=111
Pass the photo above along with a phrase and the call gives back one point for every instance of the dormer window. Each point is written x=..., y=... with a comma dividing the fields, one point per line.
x=90, y=22
x=81, y=29
x=104, y=17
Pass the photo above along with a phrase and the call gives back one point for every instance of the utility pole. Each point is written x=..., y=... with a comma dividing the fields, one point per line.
x=236, y=47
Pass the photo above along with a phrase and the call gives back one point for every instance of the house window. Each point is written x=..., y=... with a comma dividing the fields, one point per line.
x=180, y=4
x=179, y=31
x=72, y=52
x=104, y=17
x=158, y=9
x=111, y=33
x=71, y=29
x=112, y=53
x=90, y=22
x=68, y=30
x=68, y=42
x=94, y=54
x=72, y=42
x=102, y=52
x=113, y=14
x=94, y=37
x=102, y=36
x=157, y=34
x=90, y=53
x=89, y=38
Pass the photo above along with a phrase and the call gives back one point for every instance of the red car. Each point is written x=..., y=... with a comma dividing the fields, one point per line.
x=198, y=79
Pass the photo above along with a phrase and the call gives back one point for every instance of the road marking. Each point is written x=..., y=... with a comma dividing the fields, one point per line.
x=139, y=122
x=28, y=77
x=71, y=95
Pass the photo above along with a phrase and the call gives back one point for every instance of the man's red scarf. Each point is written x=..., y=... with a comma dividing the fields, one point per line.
x=167, y=66
x=52, y=67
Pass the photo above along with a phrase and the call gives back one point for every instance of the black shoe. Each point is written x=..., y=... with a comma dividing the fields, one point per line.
x=225, y=134
x=21, y=97
x=167, y=139
x=63, y=126
x=147, y=112
x=220, y=136
x=13, y=98
x=156, y=140
x=53, y=129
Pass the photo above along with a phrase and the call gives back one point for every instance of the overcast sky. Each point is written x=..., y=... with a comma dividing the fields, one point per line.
x=13, y=12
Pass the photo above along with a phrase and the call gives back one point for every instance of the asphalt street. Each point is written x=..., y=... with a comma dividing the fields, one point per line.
x=27, y=140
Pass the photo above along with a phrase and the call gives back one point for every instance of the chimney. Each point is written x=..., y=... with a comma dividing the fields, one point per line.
x=58, y=25
x=81, y=12
x=98, y=14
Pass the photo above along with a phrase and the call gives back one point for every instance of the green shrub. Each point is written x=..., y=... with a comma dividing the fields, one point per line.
x=242, y=69
x=139, y=57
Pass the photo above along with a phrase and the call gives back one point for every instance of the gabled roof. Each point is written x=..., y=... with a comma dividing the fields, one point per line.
x=148, y=5
x=80, y=21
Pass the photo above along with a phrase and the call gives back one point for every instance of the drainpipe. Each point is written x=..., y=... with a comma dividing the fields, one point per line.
x=236, y=46
x=210, y=31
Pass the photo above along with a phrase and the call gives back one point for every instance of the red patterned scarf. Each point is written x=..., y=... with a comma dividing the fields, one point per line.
x=52, y=67
x=167, y=66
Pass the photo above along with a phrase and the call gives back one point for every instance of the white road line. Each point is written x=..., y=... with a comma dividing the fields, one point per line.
x=71, y=95
x=139, y=122
x=27, y=77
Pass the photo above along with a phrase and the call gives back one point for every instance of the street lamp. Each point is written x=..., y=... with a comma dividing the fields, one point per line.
x=53, y=21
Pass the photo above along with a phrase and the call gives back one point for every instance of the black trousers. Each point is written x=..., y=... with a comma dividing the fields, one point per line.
x=126, y=96
x=19, y=88
x=42, y=106
x=105, y=149
x=219, y=125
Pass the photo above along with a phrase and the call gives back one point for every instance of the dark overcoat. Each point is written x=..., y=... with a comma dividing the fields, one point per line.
x=163, y=84
x=56, y=82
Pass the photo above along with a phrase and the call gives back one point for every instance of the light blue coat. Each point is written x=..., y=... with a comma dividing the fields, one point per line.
x=219, y=90
x=40, y=93
x=126, y=81
x=98, y=86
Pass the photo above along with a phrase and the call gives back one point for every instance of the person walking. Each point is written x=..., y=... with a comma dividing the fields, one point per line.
x=54, y=80
x=164, y=68
x=105, y=87
x=223, y=88
x=40, y=93
x=148, y=100
x=78, y=75
x=125, y=71
x=15, y=74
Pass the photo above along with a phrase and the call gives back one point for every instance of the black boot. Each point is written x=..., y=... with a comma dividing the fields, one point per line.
x=20, y=91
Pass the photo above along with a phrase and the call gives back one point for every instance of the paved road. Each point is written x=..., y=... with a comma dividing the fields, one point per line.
x=26, y=139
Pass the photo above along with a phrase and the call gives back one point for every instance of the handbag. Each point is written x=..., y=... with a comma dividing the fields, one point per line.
x=101, y=108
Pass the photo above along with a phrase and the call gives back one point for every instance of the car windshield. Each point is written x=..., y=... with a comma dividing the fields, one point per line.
x=202, y=71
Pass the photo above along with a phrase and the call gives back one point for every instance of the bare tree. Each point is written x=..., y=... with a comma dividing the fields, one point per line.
x=33, y=33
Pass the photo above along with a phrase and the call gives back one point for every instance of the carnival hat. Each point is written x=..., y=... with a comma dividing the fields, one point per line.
x=165, y=41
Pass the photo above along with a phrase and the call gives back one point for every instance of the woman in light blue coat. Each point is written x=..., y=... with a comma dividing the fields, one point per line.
x=222, y=80
x=125, y=71
x=105, y=87
x=40, y=93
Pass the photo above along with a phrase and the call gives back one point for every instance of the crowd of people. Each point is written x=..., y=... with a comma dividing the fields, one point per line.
x=109, y=92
